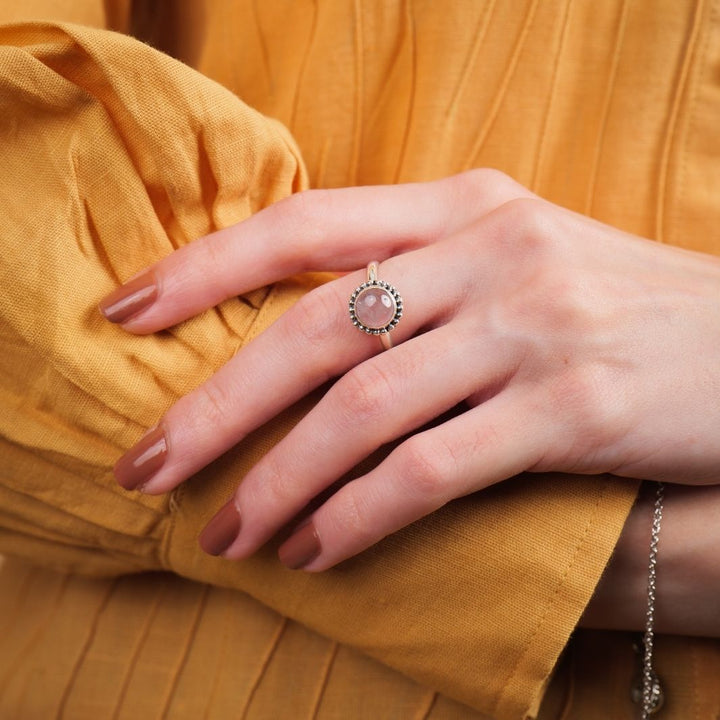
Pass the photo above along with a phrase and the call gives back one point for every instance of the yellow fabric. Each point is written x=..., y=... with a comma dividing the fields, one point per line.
x=156, y=646
x=94, y=13
x=141, y=646
x=609, y=108
x=113, y=168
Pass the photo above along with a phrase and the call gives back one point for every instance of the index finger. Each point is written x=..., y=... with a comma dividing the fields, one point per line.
x=333, y=230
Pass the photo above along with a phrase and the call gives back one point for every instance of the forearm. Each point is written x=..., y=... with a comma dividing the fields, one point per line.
x=688, y=571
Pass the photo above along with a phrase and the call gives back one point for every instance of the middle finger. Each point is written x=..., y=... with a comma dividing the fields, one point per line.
x=375, y=403
x=311, y=343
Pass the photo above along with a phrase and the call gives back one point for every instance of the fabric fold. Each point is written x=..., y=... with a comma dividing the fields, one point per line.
x=120, y=155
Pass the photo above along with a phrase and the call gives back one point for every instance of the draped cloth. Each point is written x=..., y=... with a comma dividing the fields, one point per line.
x=113, y=154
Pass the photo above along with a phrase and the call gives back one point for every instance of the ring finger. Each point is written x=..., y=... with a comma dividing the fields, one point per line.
x=489, y=443
x=311, y=343
x=380, y=400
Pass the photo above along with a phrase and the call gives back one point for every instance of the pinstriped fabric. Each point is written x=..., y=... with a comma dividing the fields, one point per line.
x=358, y=50
x=141, y=638
x=543, y=90
x=466, y=74
x=563, y=22
x=474, y=157
x=325, y=676
x=40, y=602
x=263, y=48
x=216, y=654
x=190, y=633
x=502, y=97
x=91, y=628
x=612, y=76
x=424, y=712
x=303, y=65
x=14, y=599
x=202, y=652
x=411, y=35
x=674, y=110
x=695, y=155
x=267, y=657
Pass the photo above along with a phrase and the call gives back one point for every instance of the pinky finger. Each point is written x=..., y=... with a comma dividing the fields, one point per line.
x=485, y=445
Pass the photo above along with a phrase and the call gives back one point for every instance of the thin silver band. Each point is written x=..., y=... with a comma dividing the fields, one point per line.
x=372, y=271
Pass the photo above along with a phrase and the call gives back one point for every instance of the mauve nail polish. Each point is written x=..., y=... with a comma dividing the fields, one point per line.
x=221, y=531
x=130, y=299
x=301, y=548
x=141, y=462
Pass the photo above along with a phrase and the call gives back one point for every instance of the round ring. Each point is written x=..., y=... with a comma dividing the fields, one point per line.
x=376, y=306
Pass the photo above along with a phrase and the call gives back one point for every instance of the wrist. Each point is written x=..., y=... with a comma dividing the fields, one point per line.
x=688, y=575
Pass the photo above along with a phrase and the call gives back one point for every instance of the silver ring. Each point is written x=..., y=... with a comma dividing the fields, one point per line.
x=376, y=306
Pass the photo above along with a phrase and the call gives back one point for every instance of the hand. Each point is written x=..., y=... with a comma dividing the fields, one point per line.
x=576, y=348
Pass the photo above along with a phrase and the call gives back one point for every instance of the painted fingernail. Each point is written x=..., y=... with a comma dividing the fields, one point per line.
x=221, y=531
x=301, y=548
x=141, y=462
x=130, y=299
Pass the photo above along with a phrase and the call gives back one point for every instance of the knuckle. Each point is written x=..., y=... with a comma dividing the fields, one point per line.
x=528, y=212
x=425, y=467
x=213, y=404
x=564, y=303
x=488, y=183
x=572, y=308
x=352, y=517
x=579, y=392
x=269, y=484
x=306, y=212
x=364, y=393
x=214, y=254
x=272, y=494
x=315, y=318
x=531, y=228
x=477, y=180
x=521, y=234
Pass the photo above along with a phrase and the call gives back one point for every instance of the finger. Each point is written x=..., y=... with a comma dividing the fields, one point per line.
x=311, y=343
x=331, y=230
x=492, y=442
x=375, y=403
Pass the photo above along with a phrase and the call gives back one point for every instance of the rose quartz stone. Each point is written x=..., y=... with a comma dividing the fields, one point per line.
x=375, y=307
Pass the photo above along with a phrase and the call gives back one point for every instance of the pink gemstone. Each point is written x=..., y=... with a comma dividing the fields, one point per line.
x=375, y=307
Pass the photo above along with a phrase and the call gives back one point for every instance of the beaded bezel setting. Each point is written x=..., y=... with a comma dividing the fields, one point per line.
x=356, y=311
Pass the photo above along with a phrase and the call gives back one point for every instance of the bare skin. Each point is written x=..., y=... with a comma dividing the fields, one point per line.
x=575, y=347
x=688, y=571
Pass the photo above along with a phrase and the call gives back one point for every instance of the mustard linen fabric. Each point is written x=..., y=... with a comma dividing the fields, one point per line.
x=609, y=108
x=119, y=155
x=157, y=646
x=131, y=166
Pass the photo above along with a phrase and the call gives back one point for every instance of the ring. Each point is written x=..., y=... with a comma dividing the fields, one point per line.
x=376, y=306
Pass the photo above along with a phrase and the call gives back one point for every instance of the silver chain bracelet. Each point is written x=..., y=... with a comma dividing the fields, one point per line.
x=652, y=693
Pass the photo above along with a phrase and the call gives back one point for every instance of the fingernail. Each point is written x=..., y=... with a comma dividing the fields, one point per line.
x=141, y=462
x=221, y=531
x=301, y=548
x=130, y=299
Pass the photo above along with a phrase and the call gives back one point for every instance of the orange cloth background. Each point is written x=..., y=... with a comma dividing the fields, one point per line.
x=115, y=167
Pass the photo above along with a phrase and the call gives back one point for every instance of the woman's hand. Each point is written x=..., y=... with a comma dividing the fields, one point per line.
x=576, y=348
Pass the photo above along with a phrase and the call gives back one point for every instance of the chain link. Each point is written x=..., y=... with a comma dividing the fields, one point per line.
x=651, y=688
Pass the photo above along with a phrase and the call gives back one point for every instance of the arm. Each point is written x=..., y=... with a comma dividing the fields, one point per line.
x=688, y=572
